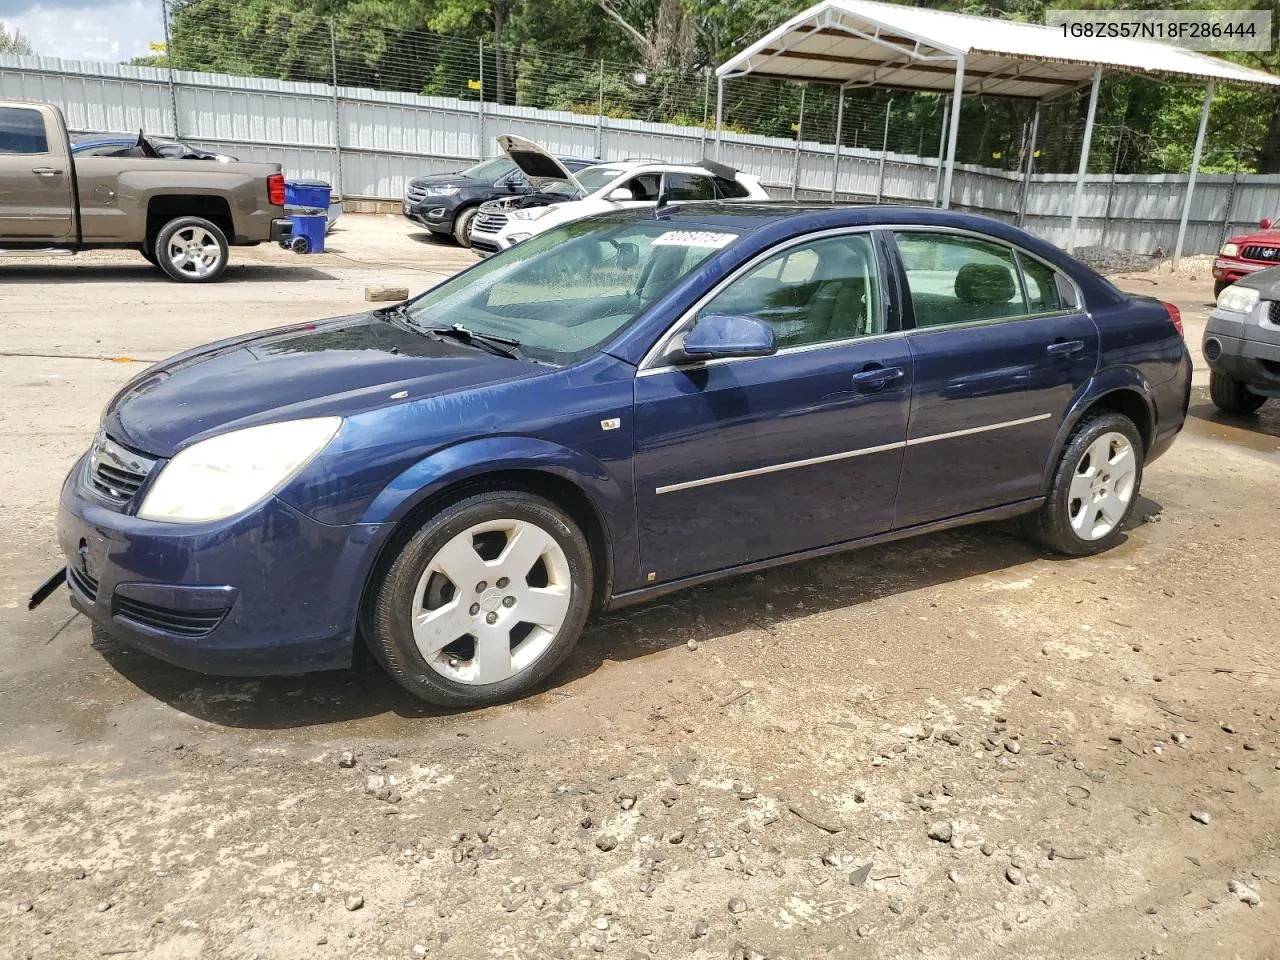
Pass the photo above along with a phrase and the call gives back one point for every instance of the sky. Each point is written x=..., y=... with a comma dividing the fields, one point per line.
x=111, y=30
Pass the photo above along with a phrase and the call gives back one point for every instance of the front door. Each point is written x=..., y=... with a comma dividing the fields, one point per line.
x=1000, y=346
x=745, y=460
x=35, y=177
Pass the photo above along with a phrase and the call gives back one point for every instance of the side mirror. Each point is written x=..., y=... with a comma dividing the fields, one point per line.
x=620, y=195
x=728, y=335
x=1266, y=223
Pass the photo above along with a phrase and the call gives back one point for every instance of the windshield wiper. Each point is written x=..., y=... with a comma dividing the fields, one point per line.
x=500, y=346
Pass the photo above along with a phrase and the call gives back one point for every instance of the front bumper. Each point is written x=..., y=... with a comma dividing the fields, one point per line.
x=280, y=229
x=430, y=213
x=1233, y=270
x=269, y=592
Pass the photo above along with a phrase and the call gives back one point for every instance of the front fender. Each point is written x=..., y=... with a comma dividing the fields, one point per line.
x=474, y=459
x=1108, y=381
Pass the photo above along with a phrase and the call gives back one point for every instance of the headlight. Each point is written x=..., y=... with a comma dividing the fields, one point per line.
x=441, y=191
x=1229, y=250
x=532, y=213
x=519, y=237
x=1238, y=299
x=223, y=475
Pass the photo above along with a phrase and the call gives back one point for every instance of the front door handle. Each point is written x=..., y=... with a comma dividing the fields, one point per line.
x=874, y=378
x=1064, y=348
x=45, y=171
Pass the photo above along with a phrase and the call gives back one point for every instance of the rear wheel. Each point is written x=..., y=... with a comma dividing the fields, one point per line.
x=484, y=601
x=1231, y=395
x=1094, y=487
x=462, y=226
x=191, y=250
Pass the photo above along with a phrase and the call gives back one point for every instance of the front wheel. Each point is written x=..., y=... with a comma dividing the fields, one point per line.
x=191, y=250
x=1229, y=394
x=484, y=601
x=462, y=226
x=1094, y=487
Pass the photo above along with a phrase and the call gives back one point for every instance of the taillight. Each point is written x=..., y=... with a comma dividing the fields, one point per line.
x=1175, y=316
x=275, y=190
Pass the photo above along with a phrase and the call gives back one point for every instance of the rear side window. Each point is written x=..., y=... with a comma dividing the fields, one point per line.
x=956, y=279
x=689, y=186
x=1042, y=286
x=730, y=189
x=22, y=131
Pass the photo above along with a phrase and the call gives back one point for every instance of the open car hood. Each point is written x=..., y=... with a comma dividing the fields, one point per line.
x=540, y=168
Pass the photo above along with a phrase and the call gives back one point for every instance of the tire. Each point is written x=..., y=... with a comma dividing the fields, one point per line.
x=191, y=250
x=1229, y=394
x=469, y=635
x=1219, y=286
x=1080, y=526
x=462, y=226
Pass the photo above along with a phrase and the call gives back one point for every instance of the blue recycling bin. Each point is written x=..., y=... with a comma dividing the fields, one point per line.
x=311, y=194
x=308, y=233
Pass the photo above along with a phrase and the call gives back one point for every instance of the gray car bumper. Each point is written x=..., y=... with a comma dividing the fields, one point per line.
x=1245, y=348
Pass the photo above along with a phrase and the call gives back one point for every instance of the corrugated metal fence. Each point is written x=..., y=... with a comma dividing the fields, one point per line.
x=368, y=143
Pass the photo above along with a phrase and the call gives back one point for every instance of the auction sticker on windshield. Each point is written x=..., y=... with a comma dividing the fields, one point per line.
x=694, y=238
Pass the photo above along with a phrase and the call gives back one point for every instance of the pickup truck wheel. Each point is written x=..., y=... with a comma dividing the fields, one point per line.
x=191, y=250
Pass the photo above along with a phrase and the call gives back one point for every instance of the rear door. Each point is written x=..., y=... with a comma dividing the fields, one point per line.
x=35, y=176
x=1001, y=344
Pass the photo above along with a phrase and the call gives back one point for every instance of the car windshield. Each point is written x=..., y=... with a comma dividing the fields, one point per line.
x=592, y=179
x=489, y=169
x=563, y=293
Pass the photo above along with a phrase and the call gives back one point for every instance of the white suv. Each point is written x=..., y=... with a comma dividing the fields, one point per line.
x=562, y=197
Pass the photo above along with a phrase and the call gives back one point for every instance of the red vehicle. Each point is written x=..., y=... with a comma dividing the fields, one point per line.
x=1246, y=253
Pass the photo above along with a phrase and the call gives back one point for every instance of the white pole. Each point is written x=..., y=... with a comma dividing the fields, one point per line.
x=835, y=166
x=884, y=149
x=795, y=172
x=719, y=111
x=1191, y=180
x=956, y=96
x=1084, y=159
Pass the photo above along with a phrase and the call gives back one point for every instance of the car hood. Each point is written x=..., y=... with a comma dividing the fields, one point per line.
x=540, y=168
x=332, y=368
x=1267, y=282
x=1269, y=237
x=443, y=180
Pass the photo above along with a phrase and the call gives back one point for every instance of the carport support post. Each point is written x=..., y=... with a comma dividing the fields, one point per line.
x=1191, y=180
x=957, y=94
x=942, y=153
x=719, y=111
x=600, y=116
x=337, y=109
x=706, y=108
x=1030, y=167
x=480, y=108
x=835, y=165
x=795, y=169
x=884, y=149
x=168, y=61
x=1084, y=159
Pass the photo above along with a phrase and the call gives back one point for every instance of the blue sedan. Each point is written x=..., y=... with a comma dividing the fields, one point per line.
x=619, y=407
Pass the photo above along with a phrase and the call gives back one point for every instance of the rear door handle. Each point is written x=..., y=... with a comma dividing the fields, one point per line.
x=45, y=171
x=876, y=377
x=1064, y=348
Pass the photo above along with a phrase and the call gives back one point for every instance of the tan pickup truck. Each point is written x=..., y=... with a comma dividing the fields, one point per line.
x=182, y=215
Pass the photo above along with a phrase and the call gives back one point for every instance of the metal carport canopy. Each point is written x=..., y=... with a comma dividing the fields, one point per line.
x=862, y=43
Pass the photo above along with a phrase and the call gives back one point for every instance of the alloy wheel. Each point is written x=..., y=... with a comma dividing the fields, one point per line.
x=1102, y=486
x=491, y=601
x=194, y=251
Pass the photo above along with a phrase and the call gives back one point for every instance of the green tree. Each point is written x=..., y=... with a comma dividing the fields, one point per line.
x=14, y=42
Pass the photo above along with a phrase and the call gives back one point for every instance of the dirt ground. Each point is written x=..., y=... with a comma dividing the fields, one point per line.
x=954, y=747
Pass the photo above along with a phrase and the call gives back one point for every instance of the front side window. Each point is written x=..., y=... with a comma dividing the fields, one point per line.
x=811, y=293
x=644, y=187
x=22, y=131
x=564, y=292
x=959, y=279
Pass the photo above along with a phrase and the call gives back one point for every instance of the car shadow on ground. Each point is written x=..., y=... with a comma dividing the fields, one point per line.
x=429, y=239
x=1263, y=424
x=145, y=273
x=706, y=613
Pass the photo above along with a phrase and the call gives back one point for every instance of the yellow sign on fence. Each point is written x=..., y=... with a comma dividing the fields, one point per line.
x=155, y=47
x=473, y=84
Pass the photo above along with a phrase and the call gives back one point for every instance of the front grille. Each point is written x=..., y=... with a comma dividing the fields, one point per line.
x=416, y=193
x=490, y=222
x=182, y=623
x=82, y=583
x=115, y=473
x=1273, y=312
x=1259, y=252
